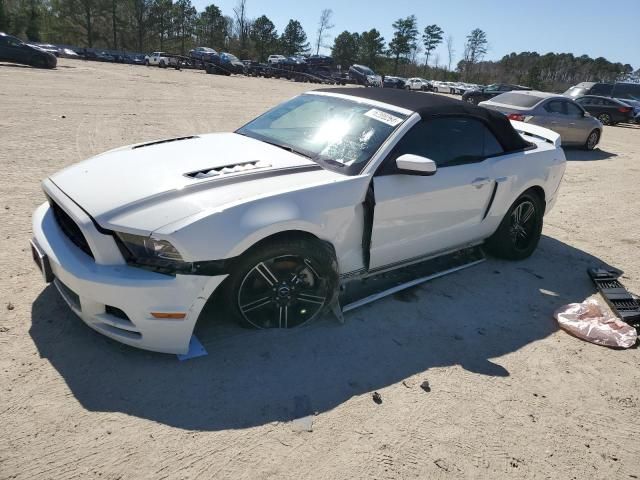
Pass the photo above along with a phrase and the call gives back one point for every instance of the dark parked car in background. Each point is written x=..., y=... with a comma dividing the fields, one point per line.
x=490, y=91
x=204, y=54
x=225, y=64
x=47, y=47
x=363, y=75
x=255, y=69
x=393, y=82
x=15, y=50
x=626, y=92
x=608, y=110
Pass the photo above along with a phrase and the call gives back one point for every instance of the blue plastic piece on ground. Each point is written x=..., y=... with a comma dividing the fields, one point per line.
x=196, y=349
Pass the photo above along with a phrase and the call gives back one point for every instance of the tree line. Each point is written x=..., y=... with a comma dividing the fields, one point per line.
x=146, y=25
x=176, y=26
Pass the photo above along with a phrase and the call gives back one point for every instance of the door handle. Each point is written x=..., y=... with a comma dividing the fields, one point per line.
x=481, y=182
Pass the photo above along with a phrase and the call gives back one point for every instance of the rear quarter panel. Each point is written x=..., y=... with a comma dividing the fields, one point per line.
x=515, y=173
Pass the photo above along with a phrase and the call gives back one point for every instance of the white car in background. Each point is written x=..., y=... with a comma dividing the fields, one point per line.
x=417, y=83
x=443, y=87
x=276, y=59
x=160, y=59
x=270, y=219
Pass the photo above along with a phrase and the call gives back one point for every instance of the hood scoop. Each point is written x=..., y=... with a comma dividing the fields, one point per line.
x=227, y=169
x=167, y=140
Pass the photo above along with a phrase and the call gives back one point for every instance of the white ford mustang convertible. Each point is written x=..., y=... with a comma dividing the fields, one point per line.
x=333, y=184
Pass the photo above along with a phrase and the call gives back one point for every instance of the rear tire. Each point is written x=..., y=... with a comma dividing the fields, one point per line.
x=282, y=284
x=592, y=140
x=519, y=232
x=604, y=118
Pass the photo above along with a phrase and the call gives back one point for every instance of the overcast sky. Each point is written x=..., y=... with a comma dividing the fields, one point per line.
x=573, y=26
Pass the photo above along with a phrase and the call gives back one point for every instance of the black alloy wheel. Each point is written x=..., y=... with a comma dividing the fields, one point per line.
x=282, y=292
x=523, y=225
x=282, y=283
x=520, y=230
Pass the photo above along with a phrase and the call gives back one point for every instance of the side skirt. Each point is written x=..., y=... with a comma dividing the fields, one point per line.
x=357, y=292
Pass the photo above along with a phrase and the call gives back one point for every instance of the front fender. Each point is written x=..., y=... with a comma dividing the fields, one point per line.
x=331, y=212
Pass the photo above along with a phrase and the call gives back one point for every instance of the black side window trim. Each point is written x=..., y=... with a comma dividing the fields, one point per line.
x=383, y=169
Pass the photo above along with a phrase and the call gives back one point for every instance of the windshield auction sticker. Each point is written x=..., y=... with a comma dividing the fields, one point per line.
x=383, y=117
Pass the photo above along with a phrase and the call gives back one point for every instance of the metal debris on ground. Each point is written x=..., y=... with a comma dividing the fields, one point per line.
x=377, y=398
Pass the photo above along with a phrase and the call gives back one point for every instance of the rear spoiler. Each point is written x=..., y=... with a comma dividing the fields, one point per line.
x=528, y=130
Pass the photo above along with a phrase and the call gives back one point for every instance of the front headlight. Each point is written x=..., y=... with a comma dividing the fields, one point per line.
x=152, y=254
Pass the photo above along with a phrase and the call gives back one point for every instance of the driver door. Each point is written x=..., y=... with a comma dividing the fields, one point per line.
x=417, y=216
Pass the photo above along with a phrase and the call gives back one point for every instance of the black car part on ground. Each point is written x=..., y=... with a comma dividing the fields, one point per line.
x=621, y=301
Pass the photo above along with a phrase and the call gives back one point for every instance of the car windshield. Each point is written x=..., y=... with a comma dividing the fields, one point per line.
x=339, y=134
x=517, y=99
x=492, y=88
x=231, y=57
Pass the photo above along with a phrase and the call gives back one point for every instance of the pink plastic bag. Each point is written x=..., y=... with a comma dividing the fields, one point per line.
x=589, y=321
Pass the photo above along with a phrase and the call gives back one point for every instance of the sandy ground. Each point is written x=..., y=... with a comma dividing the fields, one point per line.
x=511, y=395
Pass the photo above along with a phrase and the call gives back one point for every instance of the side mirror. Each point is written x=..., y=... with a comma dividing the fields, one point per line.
x=415, y=165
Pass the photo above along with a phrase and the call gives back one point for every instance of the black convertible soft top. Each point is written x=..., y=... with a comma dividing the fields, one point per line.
x=430, y=105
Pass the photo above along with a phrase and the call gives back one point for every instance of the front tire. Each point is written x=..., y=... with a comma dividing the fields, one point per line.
x=283, y=284
x=592, y=140
x=519, y=232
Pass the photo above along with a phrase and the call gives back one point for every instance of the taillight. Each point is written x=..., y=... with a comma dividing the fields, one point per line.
x=516, y=116
x=624, y=109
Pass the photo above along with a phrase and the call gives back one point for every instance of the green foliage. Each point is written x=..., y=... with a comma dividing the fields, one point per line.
x=365, y=48
x=264, y=36
x=185, y=16
x=33, y=26
x=404, y=38
x=293, y=40
x=345, y=49
x=175, y=26
x=371, y=48
x=431, y=38
x=4, y=17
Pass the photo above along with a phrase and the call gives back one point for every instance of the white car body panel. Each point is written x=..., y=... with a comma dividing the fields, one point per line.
x=109, y=281
x=144, y=190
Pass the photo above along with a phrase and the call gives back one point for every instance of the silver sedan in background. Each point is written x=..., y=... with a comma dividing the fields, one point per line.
x=555, y=112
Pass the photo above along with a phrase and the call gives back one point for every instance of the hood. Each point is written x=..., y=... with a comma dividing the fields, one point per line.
x=127, y=182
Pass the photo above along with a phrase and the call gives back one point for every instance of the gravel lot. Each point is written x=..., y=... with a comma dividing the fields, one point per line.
x=511, y=395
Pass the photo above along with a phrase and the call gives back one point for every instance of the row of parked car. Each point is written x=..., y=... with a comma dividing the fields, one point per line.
x=609, y=103
x=578, y=115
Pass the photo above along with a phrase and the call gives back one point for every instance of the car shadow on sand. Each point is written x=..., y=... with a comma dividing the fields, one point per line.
x=575, y=154
x=253, y=377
